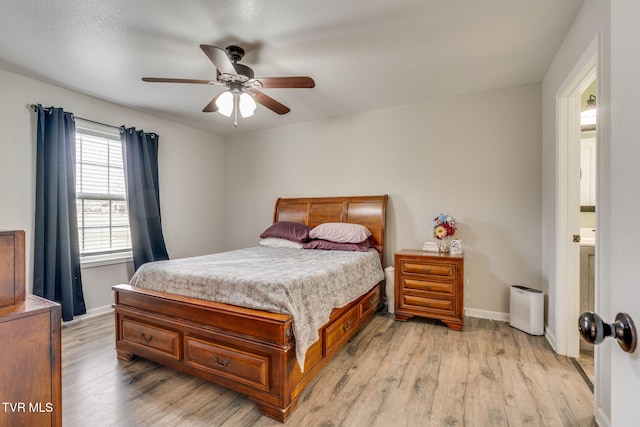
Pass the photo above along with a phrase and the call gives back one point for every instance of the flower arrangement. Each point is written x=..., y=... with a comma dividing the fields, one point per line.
x=444, y=226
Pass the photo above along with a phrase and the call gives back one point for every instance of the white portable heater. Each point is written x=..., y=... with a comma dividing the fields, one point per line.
x=527, y=310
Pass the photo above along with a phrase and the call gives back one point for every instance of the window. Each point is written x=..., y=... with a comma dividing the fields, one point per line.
x=103, y=219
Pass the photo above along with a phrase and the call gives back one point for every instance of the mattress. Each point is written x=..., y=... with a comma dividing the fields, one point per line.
x=307, y=284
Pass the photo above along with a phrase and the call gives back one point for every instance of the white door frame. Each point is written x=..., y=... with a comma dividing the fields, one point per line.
x=568, y=201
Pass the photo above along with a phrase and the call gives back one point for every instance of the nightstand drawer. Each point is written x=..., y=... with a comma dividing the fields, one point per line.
x=428, y=285
x=444, y=270
x=412, y=301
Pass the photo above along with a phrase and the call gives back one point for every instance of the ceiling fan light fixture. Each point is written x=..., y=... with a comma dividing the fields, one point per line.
x=247, y=105
x=225, y=103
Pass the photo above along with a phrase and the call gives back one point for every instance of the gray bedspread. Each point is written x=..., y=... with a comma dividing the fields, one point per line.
x=307, y=284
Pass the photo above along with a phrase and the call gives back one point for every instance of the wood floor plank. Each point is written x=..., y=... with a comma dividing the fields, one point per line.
x=413, y=373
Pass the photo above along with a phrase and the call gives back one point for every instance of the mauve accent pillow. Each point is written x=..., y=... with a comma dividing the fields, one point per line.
x=341, y=232
x=293, y=231
x=336, y=246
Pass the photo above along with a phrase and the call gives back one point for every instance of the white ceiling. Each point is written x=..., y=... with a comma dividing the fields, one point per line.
x=363, y=54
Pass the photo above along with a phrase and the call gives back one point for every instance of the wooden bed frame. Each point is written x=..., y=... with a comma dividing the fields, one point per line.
x=246, y=350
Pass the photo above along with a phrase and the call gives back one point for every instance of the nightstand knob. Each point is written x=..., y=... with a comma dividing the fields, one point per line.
x=426, y=270
x=426, y=287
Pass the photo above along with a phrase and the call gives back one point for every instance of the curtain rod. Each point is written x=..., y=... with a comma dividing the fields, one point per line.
x=34, y=107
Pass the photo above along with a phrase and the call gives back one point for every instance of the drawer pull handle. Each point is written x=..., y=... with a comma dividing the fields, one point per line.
x=426, y=287
x=224, y=363
x=426, y=270
x=346, y=326
x=144, y=337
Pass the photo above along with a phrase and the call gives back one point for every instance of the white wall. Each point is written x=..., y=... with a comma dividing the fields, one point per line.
x=476, y=157
x=190, y=174
x=592, y=20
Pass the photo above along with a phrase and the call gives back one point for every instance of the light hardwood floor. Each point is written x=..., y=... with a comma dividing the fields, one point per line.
x=414, y=373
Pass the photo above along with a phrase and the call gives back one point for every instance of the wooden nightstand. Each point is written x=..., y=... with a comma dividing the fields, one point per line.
x=429, y=284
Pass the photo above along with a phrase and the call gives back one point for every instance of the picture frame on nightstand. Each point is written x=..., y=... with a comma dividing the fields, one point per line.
x=455, y=247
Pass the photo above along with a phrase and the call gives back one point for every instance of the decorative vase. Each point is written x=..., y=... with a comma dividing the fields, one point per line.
x=444, y=245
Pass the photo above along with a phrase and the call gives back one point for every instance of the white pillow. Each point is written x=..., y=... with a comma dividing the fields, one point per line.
x=274, y=242
x=340, y=232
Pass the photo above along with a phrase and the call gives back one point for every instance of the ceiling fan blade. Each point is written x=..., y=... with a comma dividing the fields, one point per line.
x=220, y=59
x=161, y=80
x=287, y=82
x=269, y=102
x=211, y=106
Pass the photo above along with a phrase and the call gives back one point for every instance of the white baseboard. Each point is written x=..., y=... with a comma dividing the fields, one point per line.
x=486, y=314
x=602, y=419
x=94, y=312
x=98, y=311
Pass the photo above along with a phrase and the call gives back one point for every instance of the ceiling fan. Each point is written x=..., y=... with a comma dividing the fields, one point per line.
x=242, y=88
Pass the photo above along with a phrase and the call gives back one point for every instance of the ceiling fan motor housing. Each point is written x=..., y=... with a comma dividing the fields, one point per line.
x=235, y=53
x=244, y=73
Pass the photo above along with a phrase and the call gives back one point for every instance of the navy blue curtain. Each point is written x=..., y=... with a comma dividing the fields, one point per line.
x=56, y=270
x=140, y=152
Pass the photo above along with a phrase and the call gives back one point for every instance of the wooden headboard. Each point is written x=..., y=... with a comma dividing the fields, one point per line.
x=369, y=211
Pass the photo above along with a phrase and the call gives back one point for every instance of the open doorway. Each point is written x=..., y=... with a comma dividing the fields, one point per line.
x=569, y=108
x=588, y=180
x=589, y=67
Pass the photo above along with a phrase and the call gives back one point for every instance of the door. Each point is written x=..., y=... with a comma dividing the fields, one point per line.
x=625, y=254
x=625, y=204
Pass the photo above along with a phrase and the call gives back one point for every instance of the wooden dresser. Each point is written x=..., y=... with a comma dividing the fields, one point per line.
x=30, y=359
x=429, y=284
x=12, y=281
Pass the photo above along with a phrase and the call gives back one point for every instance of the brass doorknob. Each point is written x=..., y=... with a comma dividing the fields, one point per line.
x=594, y=330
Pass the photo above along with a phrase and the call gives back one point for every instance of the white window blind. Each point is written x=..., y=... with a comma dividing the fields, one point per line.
x=103, y=221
